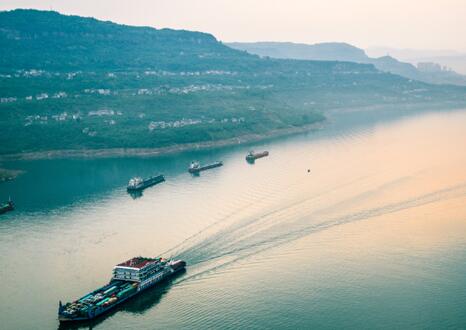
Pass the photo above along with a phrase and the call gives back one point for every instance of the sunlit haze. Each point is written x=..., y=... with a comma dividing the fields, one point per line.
x=231, y=164
x=364, y=23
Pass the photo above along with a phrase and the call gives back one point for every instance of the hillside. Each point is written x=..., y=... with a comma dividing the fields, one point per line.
x=330, y=51
x=74, y=83
x=34, y=39
x=455, y=60
x=334, y=51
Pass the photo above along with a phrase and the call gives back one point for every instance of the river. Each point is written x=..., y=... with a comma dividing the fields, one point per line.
x=359, y=225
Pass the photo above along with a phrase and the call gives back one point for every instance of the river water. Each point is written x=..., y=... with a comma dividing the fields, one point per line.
x=360, y=225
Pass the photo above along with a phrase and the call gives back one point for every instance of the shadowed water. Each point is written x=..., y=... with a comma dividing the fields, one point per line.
x=361, y=225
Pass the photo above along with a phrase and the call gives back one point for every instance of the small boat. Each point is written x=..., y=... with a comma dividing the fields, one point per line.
x=196, y=167
x=252, y=156
x=7, y=206
x=138, y=183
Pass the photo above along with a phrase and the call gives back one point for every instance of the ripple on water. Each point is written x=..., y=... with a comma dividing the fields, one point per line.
x=373, y=231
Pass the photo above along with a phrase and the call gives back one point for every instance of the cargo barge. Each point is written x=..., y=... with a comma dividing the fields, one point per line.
x=252, y=156
x=196, y=167
x=7, y=206
x=129, y=279
x=138, y=183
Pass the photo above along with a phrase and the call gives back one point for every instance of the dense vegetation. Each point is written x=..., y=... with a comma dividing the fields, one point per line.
x=69, y=82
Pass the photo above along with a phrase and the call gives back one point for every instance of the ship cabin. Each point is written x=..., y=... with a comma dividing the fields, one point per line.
x=138, y=269
x=194, y=165
x=134, y=182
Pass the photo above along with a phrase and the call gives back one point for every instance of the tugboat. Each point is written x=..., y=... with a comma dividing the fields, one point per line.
x=7, y=206
x=196, y=167
x=129, y=278
x=138, y=183
x=252, y=156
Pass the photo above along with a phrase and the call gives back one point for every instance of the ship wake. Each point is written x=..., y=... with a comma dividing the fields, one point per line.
x=234, y=238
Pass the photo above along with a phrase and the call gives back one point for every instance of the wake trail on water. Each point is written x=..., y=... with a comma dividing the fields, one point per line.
x=197, y=241
x=236, y=243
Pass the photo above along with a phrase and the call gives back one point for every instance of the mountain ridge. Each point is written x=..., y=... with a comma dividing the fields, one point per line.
x=26, y=31
x=346, y=52
x=326, y=51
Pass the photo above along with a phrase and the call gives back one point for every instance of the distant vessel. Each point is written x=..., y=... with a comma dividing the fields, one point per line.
x=129, y=279
x=7, y=206
x=138, y=183
x=252, y=156
x=196, y=167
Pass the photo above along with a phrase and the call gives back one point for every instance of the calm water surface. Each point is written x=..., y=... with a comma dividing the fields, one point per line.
x=374, y=236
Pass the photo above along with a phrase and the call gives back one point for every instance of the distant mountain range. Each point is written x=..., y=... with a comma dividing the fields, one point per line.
x=335, y=51
x=71, y=83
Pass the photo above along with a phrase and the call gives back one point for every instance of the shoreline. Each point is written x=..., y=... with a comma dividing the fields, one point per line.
x=242, y=139
x=149, y=152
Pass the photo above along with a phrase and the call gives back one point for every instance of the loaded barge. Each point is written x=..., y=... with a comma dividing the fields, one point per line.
x=138, y=184
x=129, y=279
x=196, y=167
x=252, y=156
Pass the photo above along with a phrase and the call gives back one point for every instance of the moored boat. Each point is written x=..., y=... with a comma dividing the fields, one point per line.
x=7, y=206
x=138, y=183
x=252, y=156
x=196, y=167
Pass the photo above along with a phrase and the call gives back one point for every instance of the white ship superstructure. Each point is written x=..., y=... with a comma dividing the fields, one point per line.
x=146, y=271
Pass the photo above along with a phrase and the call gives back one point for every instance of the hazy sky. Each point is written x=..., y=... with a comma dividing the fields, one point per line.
x=421, y=24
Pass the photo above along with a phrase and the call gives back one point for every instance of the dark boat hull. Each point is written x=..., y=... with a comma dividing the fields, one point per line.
x=6, y=208
x=147, y=183
x=206, y=167
x=253, y=157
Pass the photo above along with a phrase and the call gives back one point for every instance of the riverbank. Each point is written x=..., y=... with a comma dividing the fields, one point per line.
x=147, y=152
